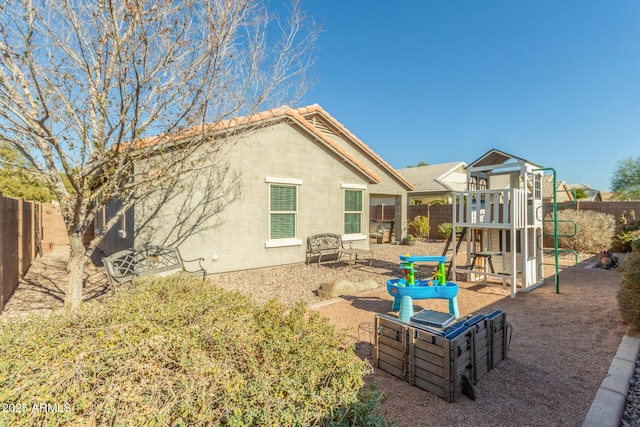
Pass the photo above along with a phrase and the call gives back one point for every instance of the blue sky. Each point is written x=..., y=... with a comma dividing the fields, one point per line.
x=554, y=82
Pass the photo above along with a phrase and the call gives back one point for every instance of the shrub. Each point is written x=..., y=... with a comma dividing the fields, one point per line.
x=595, y=230
x=629, y=294
x=629, y=231
x=420, y=226
x=173, y=351
x=445, y=229
x=625, y=237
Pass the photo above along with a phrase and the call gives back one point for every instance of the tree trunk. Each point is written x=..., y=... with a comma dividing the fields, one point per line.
x=76, y=272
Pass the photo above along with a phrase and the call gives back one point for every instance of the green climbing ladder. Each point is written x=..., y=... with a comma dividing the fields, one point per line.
x=556, y=234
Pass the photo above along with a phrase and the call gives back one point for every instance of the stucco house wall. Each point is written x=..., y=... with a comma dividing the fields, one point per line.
x=282, y=152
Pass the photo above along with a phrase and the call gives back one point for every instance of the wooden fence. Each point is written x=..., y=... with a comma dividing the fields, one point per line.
x=617, y=209
x=26, y=228
x=19, y=223
x=439, y=214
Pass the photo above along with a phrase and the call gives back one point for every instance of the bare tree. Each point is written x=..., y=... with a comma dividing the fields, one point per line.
x=81, y=80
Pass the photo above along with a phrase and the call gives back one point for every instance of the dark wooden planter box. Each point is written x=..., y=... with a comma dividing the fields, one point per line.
x=437, y=360
x=391, y=349
x=438, y=364
x=497, y=324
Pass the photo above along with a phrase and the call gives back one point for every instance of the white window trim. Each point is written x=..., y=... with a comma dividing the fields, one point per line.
x=289, y=241
x=353, y=186
x=289, y=181
x=362, y=188
x=280, y=243
x=353, y=237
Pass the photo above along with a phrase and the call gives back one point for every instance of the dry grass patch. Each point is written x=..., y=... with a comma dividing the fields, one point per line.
x=174, y=351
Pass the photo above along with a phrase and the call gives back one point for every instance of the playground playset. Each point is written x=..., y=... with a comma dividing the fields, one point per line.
x=500, y=219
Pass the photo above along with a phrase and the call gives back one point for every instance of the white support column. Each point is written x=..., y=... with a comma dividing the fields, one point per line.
x=524, y=258
x=453, y=251
x=514, y=271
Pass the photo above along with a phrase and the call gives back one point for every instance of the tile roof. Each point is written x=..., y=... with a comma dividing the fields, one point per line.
x=433, y=177
x=298, y=117
x=561, y=188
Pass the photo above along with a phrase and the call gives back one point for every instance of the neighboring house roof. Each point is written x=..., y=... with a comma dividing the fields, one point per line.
x=592, y=194
x=563, y=193
x=313, y=119
x=433, y=178
x=606, y=195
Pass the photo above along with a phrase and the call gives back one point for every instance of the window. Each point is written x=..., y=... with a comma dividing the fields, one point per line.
x=352, y=211
x=283, y=211
x=100, y=220
x=477, y=183
x=537, y=192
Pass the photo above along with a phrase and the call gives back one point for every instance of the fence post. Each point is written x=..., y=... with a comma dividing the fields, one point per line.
x=32, y=233
x=20, y=237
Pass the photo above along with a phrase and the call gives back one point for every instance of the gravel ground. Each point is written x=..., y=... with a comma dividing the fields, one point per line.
x=300, y=282
x=631, y=417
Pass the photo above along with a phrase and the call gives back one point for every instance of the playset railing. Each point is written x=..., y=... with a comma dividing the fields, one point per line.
x=505, y=208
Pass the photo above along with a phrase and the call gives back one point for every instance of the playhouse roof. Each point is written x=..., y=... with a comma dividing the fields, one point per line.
x=498, y=158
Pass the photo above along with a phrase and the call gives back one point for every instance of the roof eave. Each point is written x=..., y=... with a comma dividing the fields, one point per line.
x=315, y=108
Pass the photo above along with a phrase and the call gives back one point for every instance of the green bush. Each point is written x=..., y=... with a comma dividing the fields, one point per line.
x=445, y=229
x=625, y=237
x=629, y=231
x=173, y=351
x=595, y=230
x=420, y=226
x=629, y=294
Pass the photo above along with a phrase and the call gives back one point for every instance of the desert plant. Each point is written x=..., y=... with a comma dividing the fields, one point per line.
x=629, y=294
x=580, y=193
x=445, y=229
x=174, y=351
x=629, y=231
x=420, y=225
x=594, y=231
x=410, y=240
x=625, y=237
